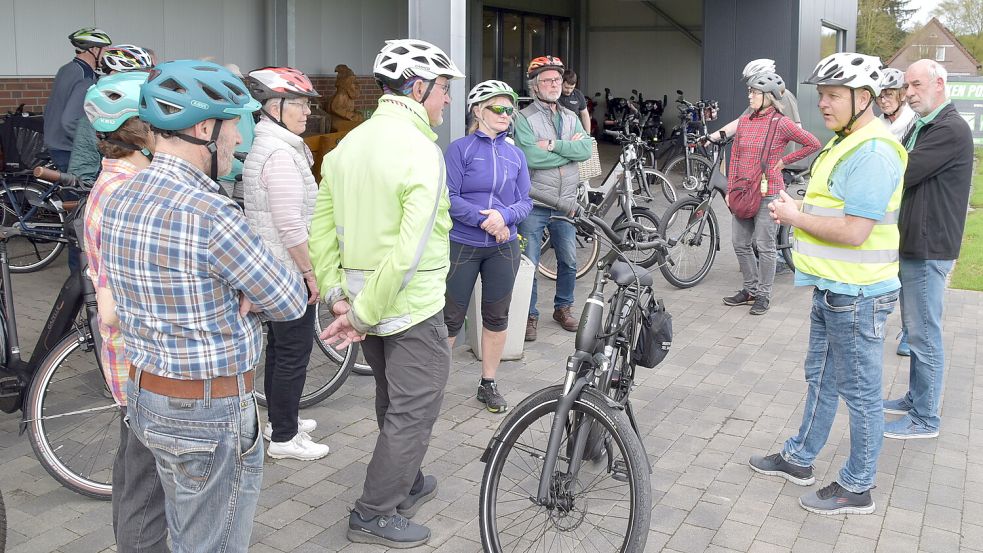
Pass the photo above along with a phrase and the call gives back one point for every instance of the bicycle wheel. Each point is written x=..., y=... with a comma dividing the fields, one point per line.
x=691, y=177
x=587, y=248
x=646, y=218
x=690, y=229
x=72, y=420
x=644, y=189
x=324, y=377
x=353, y=354
x=30, y=253
x=3, y=525
x=785, y=242
x=603, y=507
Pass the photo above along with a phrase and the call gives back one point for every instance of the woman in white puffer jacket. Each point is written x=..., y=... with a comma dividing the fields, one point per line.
x=280, y=193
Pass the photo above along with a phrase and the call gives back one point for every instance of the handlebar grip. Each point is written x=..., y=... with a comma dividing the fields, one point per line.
x=47, y=174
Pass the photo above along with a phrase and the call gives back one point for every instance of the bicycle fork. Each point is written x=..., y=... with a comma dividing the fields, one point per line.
x=572, y=388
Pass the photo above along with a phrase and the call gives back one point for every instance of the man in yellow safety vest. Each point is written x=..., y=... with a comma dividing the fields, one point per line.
x=846, y=248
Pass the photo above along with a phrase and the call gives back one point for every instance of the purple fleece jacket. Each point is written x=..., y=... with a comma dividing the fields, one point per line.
x=485, y=173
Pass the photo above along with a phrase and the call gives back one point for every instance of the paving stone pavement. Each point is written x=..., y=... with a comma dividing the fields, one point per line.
x=731, y=387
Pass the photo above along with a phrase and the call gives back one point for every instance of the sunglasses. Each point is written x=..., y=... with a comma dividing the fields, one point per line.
x=501, y=110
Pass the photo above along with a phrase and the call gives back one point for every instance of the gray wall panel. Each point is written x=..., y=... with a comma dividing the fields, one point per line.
x=41, y=28
x=8, y=41
x=842, y=13
x=129, y=23
x=244, y=36
x=311, y=34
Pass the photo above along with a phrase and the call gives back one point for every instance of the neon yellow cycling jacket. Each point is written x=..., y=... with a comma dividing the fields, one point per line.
x=379, y=235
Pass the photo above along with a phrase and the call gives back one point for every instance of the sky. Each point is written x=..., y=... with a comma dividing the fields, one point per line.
x=924, y=12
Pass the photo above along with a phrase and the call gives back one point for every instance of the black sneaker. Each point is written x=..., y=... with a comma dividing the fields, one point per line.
x=488, y=394
x=835, y=500
x=741, y=298
x=760, y=306
x=394, y=531
x=776, y=465
x=414, y=501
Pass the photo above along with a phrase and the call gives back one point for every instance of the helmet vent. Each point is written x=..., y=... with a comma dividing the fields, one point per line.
x=400, y=51
x=212, y=93
x=114, y=96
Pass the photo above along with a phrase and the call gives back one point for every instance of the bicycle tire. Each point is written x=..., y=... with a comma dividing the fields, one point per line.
x=86, y=434
x=352, y=354
x=679, y=223
x=699, y=171
x=26, y=253
x=536, y=413
x=324, y=377
x=588, y=250
x=653, y=180
x=785, y=242
x=3, y=525
x=648, y=219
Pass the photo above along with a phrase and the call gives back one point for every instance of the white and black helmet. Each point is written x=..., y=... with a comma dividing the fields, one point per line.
x=757, y=67
x=490, y=89
x=892, y=78
x=769, y=83
x=402, y=59
x=849, y=69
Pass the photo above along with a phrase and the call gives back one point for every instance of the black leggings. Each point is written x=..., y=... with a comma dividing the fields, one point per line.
x=497, y=265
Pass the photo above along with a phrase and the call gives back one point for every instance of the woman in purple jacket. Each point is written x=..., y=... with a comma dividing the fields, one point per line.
x=488, y=182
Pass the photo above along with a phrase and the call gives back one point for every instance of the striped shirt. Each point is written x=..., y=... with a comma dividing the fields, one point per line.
x=178, y=255
x=115, y=173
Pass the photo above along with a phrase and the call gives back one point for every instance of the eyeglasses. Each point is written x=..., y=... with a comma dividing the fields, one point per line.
x=501, y=110
x=302, y=104
x=446, y=87
x=754, y=92
x=554, y=81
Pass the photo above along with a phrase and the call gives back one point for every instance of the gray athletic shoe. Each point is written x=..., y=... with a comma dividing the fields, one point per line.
x=394, y=531
x=490, y=396
x=414, y=501
x=776, y=465
x=835, y=500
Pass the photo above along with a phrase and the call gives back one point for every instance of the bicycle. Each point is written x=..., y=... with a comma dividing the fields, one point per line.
x=689, y=161
x=690, y=224
x=624, y=184
x=67, y=410
x=35, y=205
x=545, y=484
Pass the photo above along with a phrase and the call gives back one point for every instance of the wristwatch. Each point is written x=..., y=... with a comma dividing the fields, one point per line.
x=549, y=146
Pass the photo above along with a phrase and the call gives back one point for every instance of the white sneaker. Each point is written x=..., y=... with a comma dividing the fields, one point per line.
x=300, y=447
x=303, y=425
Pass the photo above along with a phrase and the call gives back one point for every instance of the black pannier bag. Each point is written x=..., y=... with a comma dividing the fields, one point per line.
x=655, y=336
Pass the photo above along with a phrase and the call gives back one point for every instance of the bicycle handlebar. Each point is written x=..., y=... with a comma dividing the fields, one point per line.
x=66, y=180
x=590, y=223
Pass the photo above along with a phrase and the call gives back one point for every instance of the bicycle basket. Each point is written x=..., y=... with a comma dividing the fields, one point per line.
x=22, y=140
x=591, y=167
x=655, y=336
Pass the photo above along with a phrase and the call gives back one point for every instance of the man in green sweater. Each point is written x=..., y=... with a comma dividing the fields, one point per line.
x=554, y=141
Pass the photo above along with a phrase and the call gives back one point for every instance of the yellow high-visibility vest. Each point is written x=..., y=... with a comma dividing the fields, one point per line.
x=875, y=260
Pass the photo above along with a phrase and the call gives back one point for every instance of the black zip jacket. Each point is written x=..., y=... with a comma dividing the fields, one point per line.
x=936, y=188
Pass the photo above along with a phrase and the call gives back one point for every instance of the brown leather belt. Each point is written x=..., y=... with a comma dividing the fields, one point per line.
x=222, y=386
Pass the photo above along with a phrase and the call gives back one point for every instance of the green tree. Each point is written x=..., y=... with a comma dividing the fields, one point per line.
x=880, y=26
x=965, y=19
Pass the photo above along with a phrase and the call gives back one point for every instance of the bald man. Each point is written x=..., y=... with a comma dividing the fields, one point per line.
x=931, y=221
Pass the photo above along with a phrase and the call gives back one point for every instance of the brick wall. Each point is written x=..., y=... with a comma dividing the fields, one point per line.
x=33, y=92
x=30, y=91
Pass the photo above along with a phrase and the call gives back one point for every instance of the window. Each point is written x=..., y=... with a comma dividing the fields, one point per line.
x=510, y=39
x=832, y=39
x=923, y=50
x=940, y=53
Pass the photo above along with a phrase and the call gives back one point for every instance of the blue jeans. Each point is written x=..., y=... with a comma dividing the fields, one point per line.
x=922, y=292
x=846, y=346
x=563, y=236
x=209, y=456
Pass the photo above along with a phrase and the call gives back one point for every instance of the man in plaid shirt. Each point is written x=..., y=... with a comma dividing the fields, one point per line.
x=186, y=271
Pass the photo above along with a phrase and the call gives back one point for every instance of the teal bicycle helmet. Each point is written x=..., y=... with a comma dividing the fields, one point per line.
x=180, y=94
x=114, y=99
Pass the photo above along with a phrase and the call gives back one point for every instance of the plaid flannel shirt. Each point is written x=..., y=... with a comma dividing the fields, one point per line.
x=115, y=173
x=752, y=133
x=178, y=255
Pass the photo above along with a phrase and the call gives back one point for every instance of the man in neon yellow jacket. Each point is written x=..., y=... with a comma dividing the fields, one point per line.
x=379, y=246
x=846, y=249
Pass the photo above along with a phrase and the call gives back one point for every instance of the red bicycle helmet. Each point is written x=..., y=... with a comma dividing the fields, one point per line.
x=279, y=82
x=544, y=63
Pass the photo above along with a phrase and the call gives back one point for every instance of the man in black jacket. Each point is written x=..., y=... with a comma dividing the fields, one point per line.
x=932, y=218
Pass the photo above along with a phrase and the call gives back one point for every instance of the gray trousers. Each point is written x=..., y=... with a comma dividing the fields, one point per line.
x=410, y=370
x=759, y=273
x=138, y=498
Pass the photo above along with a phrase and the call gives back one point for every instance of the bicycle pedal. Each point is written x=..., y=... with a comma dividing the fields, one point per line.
x=619, y=470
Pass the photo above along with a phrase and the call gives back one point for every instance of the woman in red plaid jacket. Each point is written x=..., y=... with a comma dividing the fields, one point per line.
x=754, y=180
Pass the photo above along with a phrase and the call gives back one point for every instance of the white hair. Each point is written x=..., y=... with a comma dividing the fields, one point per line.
x=936, y=71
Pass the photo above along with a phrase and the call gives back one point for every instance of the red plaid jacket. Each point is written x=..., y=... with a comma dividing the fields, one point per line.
x=752, y=132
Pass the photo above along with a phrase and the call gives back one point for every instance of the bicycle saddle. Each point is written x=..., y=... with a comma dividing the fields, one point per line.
x=624, y=274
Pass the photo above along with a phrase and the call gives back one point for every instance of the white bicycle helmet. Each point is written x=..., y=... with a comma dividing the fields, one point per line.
x=892, y=78
x=126, y=57
x=849, y=69
x=756, y=67
x=489, y=89
x=405, y=58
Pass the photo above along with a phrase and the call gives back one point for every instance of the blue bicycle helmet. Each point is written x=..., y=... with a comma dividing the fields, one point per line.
x=113, y=100
x=182, y=93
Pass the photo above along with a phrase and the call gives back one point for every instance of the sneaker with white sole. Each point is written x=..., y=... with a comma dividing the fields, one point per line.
x=834, y=499
x=303, y=425
x=776, y=465
x=300, y=447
